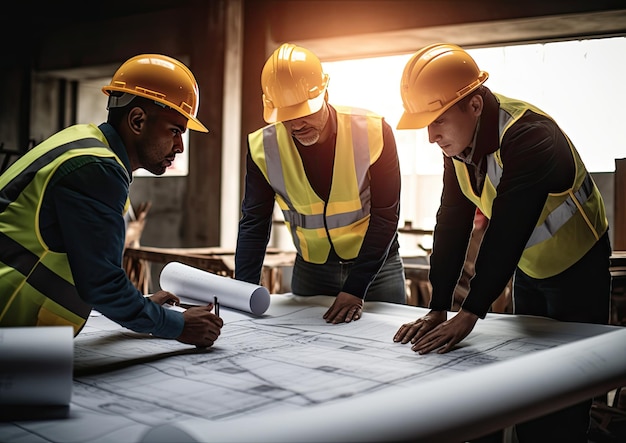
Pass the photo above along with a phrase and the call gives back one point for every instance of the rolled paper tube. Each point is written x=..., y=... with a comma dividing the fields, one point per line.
x=193, y=286
x=36, y=365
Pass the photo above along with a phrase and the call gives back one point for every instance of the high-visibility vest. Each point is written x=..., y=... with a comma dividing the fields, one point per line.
x=36, y=284
x=571, y=221
x=314, y=224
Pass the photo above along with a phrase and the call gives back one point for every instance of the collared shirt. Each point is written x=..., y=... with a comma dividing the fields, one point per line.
x=467, y=156
x=82, y=215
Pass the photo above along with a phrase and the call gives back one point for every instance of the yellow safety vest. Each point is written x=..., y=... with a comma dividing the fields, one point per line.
x=571, y=221
x=36, y=284
x=314, y=224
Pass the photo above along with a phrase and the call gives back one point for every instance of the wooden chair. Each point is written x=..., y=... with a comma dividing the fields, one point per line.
x=137, y=269
x=8, y=156
x=618, y=288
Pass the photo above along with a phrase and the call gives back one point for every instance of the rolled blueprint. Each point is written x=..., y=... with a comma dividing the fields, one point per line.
x=194, y=286
x=36, y=365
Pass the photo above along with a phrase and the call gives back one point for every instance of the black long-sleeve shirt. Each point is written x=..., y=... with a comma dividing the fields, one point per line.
x=318, y=160
x=536, y=161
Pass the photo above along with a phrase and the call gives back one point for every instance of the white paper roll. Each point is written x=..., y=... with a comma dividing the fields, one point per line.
x=193, y=285
x=36, y=365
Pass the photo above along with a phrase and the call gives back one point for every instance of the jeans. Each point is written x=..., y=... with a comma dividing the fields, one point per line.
x=328, y=279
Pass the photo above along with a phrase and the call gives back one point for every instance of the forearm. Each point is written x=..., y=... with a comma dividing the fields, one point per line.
x=454, y=224
x=381, y=237
x=250, y=251
x=255, y=226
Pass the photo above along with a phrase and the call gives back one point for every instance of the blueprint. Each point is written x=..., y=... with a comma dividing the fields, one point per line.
x=288, y=359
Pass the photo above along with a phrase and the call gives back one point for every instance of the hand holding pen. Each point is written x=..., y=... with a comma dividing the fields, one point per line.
x=202, y=325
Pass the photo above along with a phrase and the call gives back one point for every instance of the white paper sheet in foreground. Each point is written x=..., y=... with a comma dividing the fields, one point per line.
x=443, y=410
x=193, y=285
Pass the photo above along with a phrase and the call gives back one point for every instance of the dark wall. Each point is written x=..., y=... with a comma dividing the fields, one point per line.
x=297, y=20
x=78, y=42
x=69, y=40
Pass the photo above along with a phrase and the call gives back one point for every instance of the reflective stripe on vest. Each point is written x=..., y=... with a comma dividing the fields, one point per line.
x=557, y=217
x=14, y=188
x=311, y=221
x=41, y=278
x=571, y=221
x=33, y=265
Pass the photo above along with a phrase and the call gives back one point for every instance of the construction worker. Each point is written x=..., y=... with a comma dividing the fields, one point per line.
x=547, y=222
x=335, y=174
x=62, y=207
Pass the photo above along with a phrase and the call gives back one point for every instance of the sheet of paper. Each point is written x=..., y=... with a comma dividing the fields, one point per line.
x=193, y=285
x=288, y=373
x=443, y=410
x=36, y=365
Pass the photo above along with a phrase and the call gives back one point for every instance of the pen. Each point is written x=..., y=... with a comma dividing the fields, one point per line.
x=216, y=305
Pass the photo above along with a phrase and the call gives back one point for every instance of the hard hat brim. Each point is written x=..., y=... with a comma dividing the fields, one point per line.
x=192, y=123
x=417, y=120
x=273, y=115
x=195, y=125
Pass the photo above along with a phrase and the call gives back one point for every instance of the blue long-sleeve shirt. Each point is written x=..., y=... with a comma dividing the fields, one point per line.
x=82, y=215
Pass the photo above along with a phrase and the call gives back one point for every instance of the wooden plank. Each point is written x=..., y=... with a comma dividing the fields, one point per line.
x=619, y=214
x=211, y=263
x=217, y=260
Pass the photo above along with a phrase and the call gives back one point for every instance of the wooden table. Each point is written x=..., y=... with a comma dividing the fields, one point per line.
x=217, y=260
x=618, y=289
x=420, y=289
x=618, y=259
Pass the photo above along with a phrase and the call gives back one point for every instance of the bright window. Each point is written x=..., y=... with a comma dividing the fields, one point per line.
x=579, y=83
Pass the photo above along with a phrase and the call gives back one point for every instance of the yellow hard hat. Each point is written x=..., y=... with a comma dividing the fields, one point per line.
x=293, y=84
x=434, y=79
x=162, y=79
